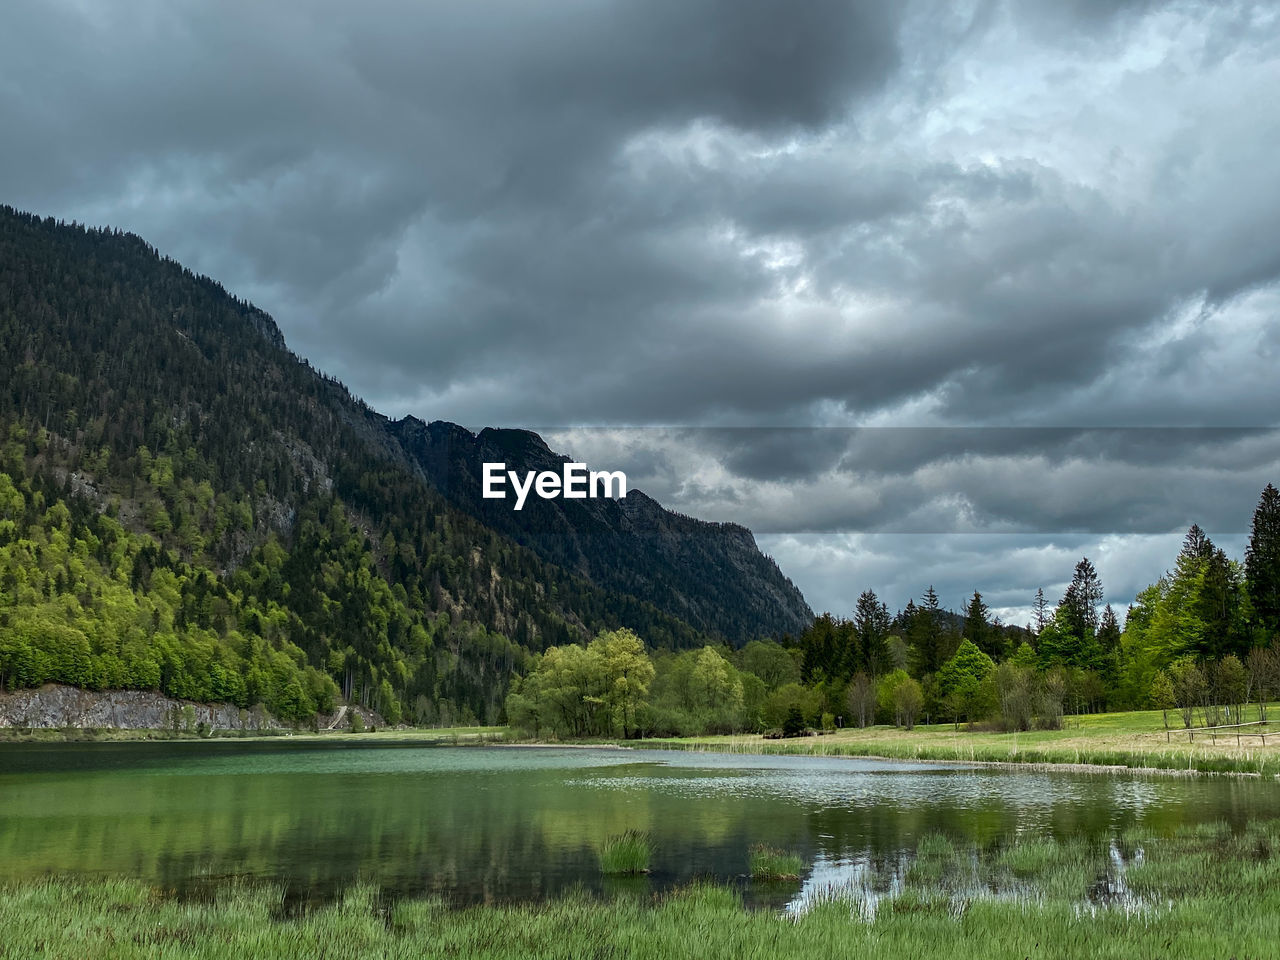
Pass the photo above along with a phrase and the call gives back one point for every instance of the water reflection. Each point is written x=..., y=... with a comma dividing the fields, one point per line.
x=865, y=884
x=861, y=881
x=499, y=824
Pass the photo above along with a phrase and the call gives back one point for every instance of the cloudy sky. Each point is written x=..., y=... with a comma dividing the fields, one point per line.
x=921, y=292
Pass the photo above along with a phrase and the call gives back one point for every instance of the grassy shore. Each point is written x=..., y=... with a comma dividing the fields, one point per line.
x=1203, y=893
x=1137, y=739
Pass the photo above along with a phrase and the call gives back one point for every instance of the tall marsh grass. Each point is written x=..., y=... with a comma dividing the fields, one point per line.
x=772, y=864
x=1001, y=748
x=628, y=852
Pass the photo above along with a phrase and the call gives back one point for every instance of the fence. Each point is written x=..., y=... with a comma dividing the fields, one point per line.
x=1213, y=735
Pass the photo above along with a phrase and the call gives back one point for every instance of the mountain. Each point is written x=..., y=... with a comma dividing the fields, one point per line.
x=187, y=506
x=710, y=575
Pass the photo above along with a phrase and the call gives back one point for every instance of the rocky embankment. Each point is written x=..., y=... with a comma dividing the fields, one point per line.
x=55, y=707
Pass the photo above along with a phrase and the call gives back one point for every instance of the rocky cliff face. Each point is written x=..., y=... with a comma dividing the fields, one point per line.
x=55, y=706
x=711, y=575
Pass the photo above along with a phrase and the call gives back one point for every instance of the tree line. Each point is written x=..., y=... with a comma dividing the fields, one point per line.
x=1201, y=641
x=1202, y=638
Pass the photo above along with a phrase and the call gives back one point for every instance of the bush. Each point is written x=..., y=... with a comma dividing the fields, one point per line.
x=1016, y=696
x=794, y=725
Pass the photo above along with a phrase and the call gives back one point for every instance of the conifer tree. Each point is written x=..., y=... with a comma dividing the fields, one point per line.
x=1262, y=563
x=1040, y=611
x=1082, y=599
x=926, y=634
x=871, y=630
x=1196, y=545
x=978, y=629
x=1108, y=631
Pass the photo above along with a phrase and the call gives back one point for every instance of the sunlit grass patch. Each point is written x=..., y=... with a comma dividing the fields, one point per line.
x=628, y=852
x=770, y=863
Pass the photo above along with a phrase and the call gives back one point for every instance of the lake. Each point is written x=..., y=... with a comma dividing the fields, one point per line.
x=492, y=824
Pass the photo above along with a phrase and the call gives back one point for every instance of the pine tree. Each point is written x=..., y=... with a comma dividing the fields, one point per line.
x=1082, y=599
x=1040, y=611
x=1262, y=563
x=907, y=617
x=1196, y=545
x=1108, y=646
x=1109, y=631
x=1218, y=606
x=871, y=629
x=926, y=634
x=819, y=650
x=905, y=626
x=977, y=627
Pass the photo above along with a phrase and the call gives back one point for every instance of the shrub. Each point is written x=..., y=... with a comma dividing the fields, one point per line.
x=794, y=725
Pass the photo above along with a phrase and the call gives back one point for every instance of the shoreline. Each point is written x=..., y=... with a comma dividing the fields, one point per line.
x=1102, y=758
x=1035, y=766
x=1105, y=759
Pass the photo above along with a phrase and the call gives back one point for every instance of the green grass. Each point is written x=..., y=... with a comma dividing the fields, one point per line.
x=1031, y=858
x=1208, y=892
x=937, y=866
x=1134, y=739
x=628, y=852
x=770, y=863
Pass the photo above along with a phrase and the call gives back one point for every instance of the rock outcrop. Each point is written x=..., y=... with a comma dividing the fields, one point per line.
x=55, y=706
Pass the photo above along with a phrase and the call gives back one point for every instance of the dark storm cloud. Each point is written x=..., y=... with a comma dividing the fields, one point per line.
x=441, y=178
x=948, y=480
x=729, y=214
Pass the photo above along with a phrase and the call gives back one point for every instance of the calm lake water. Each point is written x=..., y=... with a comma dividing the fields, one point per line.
x=486, y=824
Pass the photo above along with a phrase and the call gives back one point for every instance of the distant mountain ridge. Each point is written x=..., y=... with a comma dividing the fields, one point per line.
x=711, y=575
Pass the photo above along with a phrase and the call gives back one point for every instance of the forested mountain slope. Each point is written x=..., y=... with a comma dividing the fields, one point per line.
x=711, y=575
x=188, y=506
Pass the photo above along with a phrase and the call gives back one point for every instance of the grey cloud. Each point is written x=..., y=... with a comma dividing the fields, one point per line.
x=728, y=214
x=457, y=188
x=1006, y=569
x=947, y=481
